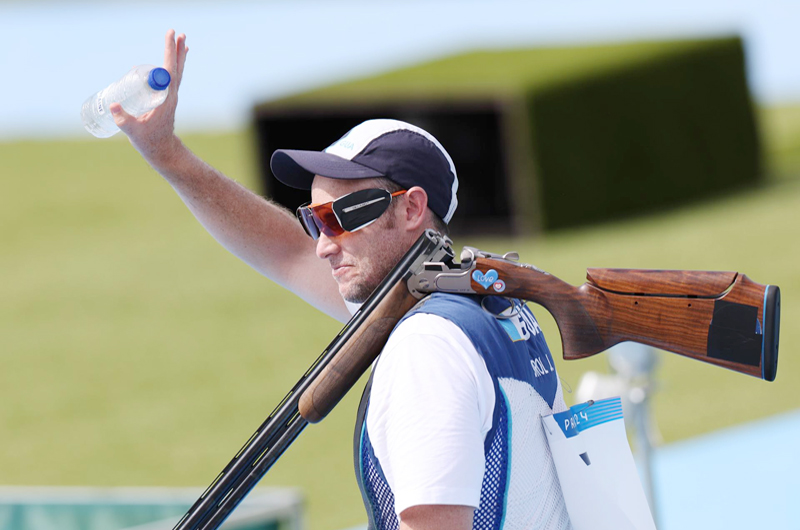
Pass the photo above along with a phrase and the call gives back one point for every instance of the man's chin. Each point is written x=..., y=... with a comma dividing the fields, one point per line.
x=354, y=299
x=355, y=294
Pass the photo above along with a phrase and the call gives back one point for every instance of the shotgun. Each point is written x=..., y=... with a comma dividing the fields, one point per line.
x=722, y=318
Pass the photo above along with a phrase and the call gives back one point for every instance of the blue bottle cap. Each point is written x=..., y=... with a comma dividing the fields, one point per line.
x=158, y=79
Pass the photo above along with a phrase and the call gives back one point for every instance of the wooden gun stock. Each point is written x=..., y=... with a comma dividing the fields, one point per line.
x=722, y=318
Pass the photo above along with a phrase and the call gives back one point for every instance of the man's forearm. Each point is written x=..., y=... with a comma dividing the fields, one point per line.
x=437, y=517
x=243, y=222
x=261, y=233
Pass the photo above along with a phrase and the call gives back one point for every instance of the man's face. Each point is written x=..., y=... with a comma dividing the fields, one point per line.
x=360, y=260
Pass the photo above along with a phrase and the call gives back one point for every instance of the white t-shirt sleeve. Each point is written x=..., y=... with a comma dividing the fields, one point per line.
x=430, y=410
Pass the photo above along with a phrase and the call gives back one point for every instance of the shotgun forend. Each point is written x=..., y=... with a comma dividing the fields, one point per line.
x=319, y=389
x=364, y=336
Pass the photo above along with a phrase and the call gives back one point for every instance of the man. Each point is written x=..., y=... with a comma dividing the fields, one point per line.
x=457, y=393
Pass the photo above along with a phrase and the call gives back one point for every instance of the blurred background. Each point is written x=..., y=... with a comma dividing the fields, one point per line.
x=136, y=353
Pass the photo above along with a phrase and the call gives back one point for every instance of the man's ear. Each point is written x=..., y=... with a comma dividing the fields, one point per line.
x=415, y=207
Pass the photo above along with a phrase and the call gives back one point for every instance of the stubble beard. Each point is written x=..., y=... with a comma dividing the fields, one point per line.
x=362, y=289
x=360, y=292
x=384, y=260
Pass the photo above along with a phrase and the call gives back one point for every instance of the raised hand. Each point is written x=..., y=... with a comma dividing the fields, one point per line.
x=153, y=134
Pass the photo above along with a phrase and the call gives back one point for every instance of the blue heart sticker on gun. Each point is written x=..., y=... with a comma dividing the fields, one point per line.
x=485, y=279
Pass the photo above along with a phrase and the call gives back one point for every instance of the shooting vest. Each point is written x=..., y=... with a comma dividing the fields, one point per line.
x=520, y=485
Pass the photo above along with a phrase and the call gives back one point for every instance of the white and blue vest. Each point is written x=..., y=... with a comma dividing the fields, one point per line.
x=520, y=487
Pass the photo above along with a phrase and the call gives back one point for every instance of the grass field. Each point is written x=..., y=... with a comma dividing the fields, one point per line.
x=136, y=351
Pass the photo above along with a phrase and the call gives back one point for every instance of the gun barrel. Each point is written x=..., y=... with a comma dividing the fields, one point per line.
x=326, y=386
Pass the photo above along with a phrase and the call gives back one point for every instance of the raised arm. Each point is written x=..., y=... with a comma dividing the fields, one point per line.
x=261, y=233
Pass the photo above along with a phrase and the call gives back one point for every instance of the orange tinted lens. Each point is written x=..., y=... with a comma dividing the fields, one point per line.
x=325, y=220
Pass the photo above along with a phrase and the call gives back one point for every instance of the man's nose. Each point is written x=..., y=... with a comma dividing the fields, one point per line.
x=326, y=247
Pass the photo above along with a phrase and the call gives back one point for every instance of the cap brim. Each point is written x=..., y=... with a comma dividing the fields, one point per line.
x=297, y=168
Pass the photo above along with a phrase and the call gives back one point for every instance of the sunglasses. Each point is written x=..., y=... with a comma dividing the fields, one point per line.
x=348, y=213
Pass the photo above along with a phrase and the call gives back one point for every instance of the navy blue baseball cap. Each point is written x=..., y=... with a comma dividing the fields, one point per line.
x=393, y=149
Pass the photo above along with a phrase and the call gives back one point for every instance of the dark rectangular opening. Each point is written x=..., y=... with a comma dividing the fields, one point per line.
x=471, y=133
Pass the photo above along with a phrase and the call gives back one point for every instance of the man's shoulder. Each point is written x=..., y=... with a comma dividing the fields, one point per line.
x=432, y=342
x=437, y=314
x=426, y=323
x=447, y=304
x=470, y=311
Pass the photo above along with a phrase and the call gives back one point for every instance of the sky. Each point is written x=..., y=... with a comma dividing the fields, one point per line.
x=53, y=55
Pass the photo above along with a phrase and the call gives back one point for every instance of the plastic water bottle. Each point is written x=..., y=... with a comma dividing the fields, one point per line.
x=139, y=91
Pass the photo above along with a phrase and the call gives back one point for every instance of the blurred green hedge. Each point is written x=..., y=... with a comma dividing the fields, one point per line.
x=548, y=138
x=671, y=130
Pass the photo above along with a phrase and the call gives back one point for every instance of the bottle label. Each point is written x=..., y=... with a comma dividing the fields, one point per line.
x=100, y=107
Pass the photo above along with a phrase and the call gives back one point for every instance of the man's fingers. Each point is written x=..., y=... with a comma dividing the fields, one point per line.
x=169, y=52
x=121, y=118
x=181, y=51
